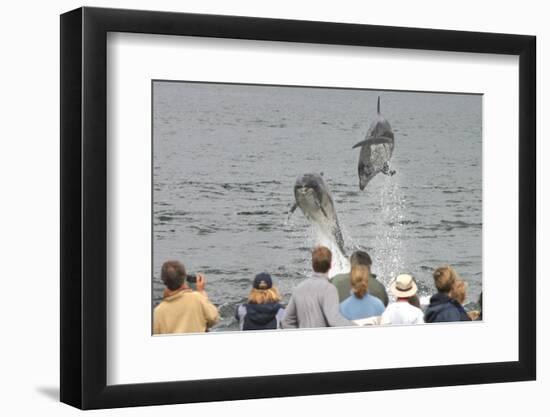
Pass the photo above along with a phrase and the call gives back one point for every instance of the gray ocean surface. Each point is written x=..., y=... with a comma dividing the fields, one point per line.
x=225, y=159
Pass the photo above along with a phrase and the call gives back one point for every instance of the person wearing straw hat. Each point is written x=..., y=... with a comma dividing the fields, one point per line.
x=402, y=311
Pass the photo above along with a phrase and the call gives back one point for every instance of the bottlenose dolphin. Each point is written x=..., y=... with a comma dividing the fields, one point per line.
x=313, y=197
x=376, y=150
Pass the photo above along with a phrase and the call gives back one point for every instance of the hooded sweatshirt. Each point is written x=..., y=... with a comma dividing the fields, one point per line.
x=442, y=308
x=260, y=316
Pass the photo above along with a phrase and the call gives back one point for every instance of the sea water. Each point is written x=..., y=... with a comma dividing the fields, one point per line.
x=225, y=159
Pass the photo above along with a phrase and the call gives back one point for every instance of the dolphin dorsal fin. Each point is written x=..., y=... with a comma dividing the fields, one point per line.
x=378, y=105
x=322, y=173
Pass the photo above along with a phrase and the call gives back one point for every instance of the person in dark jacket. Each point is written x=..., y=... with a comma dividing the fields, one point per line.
x=459, y=293
x=442, y=307
x=263, y=310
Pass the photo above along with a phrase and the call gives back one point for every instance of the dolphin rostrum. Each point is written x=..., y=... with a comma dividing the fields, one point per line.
x=376, y=150
x=313, y=197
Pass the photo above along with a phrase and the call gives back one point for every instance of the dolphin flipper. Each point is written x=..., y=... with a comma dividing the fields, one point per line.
x=292, y=209
x=340, y=243
x=359, y=144
x=373, y=140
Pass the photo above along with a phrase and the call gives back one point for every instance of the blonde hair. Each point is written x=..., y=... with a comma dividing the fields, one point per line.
x=458, y=292
x=444, y=278
x=360, y=280
x=270, y=295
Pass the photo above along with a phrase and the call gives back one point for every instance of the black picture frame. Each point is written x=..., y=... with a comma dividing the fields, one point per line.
x=84, y=207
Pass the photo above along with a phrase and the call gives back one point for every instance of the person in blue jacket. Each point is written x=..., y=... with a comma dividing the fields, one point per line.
x=263, y=310
x=442, y=307
x=360, y=304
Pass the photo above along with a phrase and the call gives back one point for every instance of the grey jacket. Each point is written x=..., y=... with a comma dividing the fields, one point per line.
x=314, y=303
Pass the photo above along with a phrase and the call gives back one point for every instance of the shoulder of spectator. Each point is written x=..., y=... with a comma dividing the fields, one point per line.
x=329, y=287
x=159, y=307
x=241, y=310
x=345, y=301
x=200, y=295
x=337, y=277
x=204, y=300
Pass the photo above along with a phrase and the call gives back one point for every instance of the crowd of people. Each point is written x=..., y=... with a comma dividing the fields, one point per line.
x=351, y=299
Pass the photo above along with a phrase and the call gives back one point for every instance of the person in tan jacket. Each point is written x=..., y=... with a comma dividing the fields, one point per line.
x=183, y=310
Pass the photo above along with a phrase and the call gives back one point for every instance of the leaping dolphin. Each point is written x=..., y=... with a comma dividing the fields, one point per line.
x=313, y=197
x=376, y=150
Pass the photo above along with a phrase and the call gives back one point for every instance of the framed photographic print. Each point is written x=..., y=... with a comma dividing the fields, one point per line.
x=259, y=207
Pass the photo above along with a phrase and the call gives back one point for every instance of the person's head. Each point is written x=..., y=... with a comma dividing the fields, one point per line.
x=173, y=274
x=444, y=278
x=360, y=280
x=263, y=290
x=403, y=286
x=321, y=259
x=458, y=292
x=360, y=257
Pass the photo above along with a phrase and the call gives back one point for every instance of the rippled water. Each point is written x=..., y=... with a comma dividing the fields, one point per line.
x=225, y=159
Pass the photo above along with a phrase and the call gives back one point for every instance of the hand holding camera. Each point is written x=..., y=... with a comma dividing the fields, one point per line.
x=201, y=283
x=197, y=282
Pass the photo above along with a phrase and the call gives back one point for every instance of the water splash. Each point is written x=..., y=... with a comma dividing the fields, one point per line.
x=315, y=236
x=340, y=263
x=388, y=244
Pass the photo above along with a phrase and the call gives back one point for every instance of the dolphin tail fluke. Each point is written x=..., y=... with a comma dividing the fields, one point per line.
x=378, y=105
x=340, y=242
x=339, y=238
x=341, y=247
